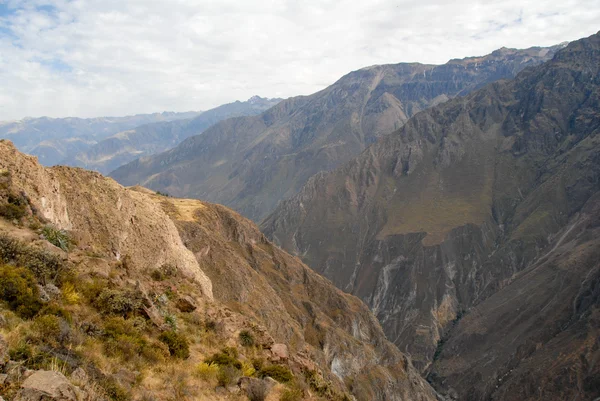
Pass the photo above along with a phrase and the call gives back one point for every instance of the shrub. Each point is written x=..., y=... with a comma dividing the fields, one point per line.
x=47, y=328
x=278, y=372
x=178, y=344
x=18, y=288
x=12, y=212
x=21, y=352
x=257, y=390
x=224, y=359
x=114, y=391
x=246, y=338
x=247, y=369
x=228, y=375
x=118, y=302
x=207, y=371
x=56, y=237
x=210, y=325
x=292, y=394
x=69, y=294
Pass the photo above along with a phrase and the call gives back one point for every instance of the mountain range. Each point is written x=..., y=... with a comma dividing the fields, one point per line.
x=471, y=233
x=252, y=163
x=53, y=139
x=126, y=146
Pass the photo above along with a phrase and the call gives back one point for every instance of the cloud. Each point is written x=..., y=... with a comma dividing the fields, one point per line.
x=113, y=57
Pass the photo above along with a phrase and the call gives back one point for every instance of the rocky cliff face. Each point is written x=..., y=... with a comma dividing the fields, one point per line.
x=197, y=270
x=250, y=164
x=149, y=139
x=464, y=200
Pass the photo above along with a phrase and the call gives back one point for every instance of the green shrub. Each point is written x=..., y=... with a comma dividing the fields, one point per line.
x=56, y=237
x=246, y=338
x=228, y=375
x=43, y=264
x=178, y=344
x=224, y=359
x=13, y=212
x=114, y=391
x=19, y=290
x=21, y=352
x=118, y=302
x=47, y=329
x=278, y=372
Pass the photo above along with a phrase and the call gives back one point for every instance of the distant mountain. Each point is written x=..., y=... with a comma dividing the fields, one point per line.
x=472, y=233
x=148, y=139
x=53, y=139
x=252, y=163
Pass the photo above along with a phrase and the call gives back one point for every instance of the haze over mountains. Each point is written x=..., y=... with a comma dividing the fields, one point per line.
x=484, y=208
x=252, y=163
x=53, y=139
x=105, y=143
x=150, y=139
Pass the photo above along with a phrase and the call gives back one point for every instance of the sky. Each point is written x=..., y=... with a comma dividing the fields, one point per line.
x=89, y=58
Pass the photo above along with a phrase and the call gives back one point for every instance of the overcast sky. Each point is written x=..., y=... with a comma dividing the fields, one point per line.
x=116, y=57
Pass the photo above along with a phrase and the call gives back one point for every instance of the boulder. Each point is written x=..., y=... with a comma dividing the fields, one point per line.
x=186, y=304
x=279, y=352
x=46, y=385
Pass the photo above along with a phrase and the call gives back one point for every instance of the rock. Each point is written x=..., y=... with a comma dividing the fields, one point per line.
x=186, y=304
x=53, y=291
x=221, y=390
x=126, y=378
x=44, y=297
x=46, y=385
x=79, y=375
x=233, y=389
x=3, y=351
x=279, y=352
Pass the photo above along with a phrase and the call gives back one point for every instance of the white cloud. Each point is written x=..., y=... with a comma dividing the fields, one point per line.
x=116, y=57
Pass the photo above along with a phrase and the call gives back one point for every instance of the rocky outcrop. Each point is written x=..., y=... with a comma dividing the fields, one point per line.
x=447, y=211
x=107, y=218
x=252, y=163
x=47, y=386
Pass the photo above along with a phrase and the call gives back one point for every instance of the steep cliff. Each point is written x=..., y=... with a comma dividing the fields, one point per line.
x=134, y=270
x=438, y=216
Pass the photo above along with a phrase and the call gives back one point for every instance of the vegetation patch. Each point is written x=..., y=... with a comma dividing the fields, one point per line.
x=58, y=238
x=19, y=290
x=178, y=344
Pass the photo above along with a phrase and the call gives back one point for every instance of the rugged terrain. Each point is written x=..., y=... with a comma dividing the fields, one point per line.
x=53, y=139
x=109, y=292
x=483, y=208
x=149, y=139
x=250, y=164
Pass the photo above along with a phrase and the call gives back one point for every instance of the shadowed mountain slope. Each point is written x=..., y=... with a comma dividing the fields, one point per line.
x=460, y=202
x=250, y=164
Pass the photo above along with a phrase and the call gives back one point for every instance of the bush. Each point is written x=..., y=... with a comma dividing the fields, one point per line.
x=12, y=212
x=257, y=390
x=280, y=373
x=292, y=394
x=56, y=237
x=70, y=294
x=178, y=344
x=228, y=375
x=43, y=264
x=207, y=371
x=119, y=302
x=224, y=359
x=47, y=328
x=246, y=338
x=19, y=290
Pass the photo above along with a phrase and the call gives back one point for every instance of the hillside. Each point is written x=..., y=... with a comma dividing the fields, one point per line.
x=53, y=139
x=116, y=293
x=250, y=164
x=483, y=208
x=124, y=147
